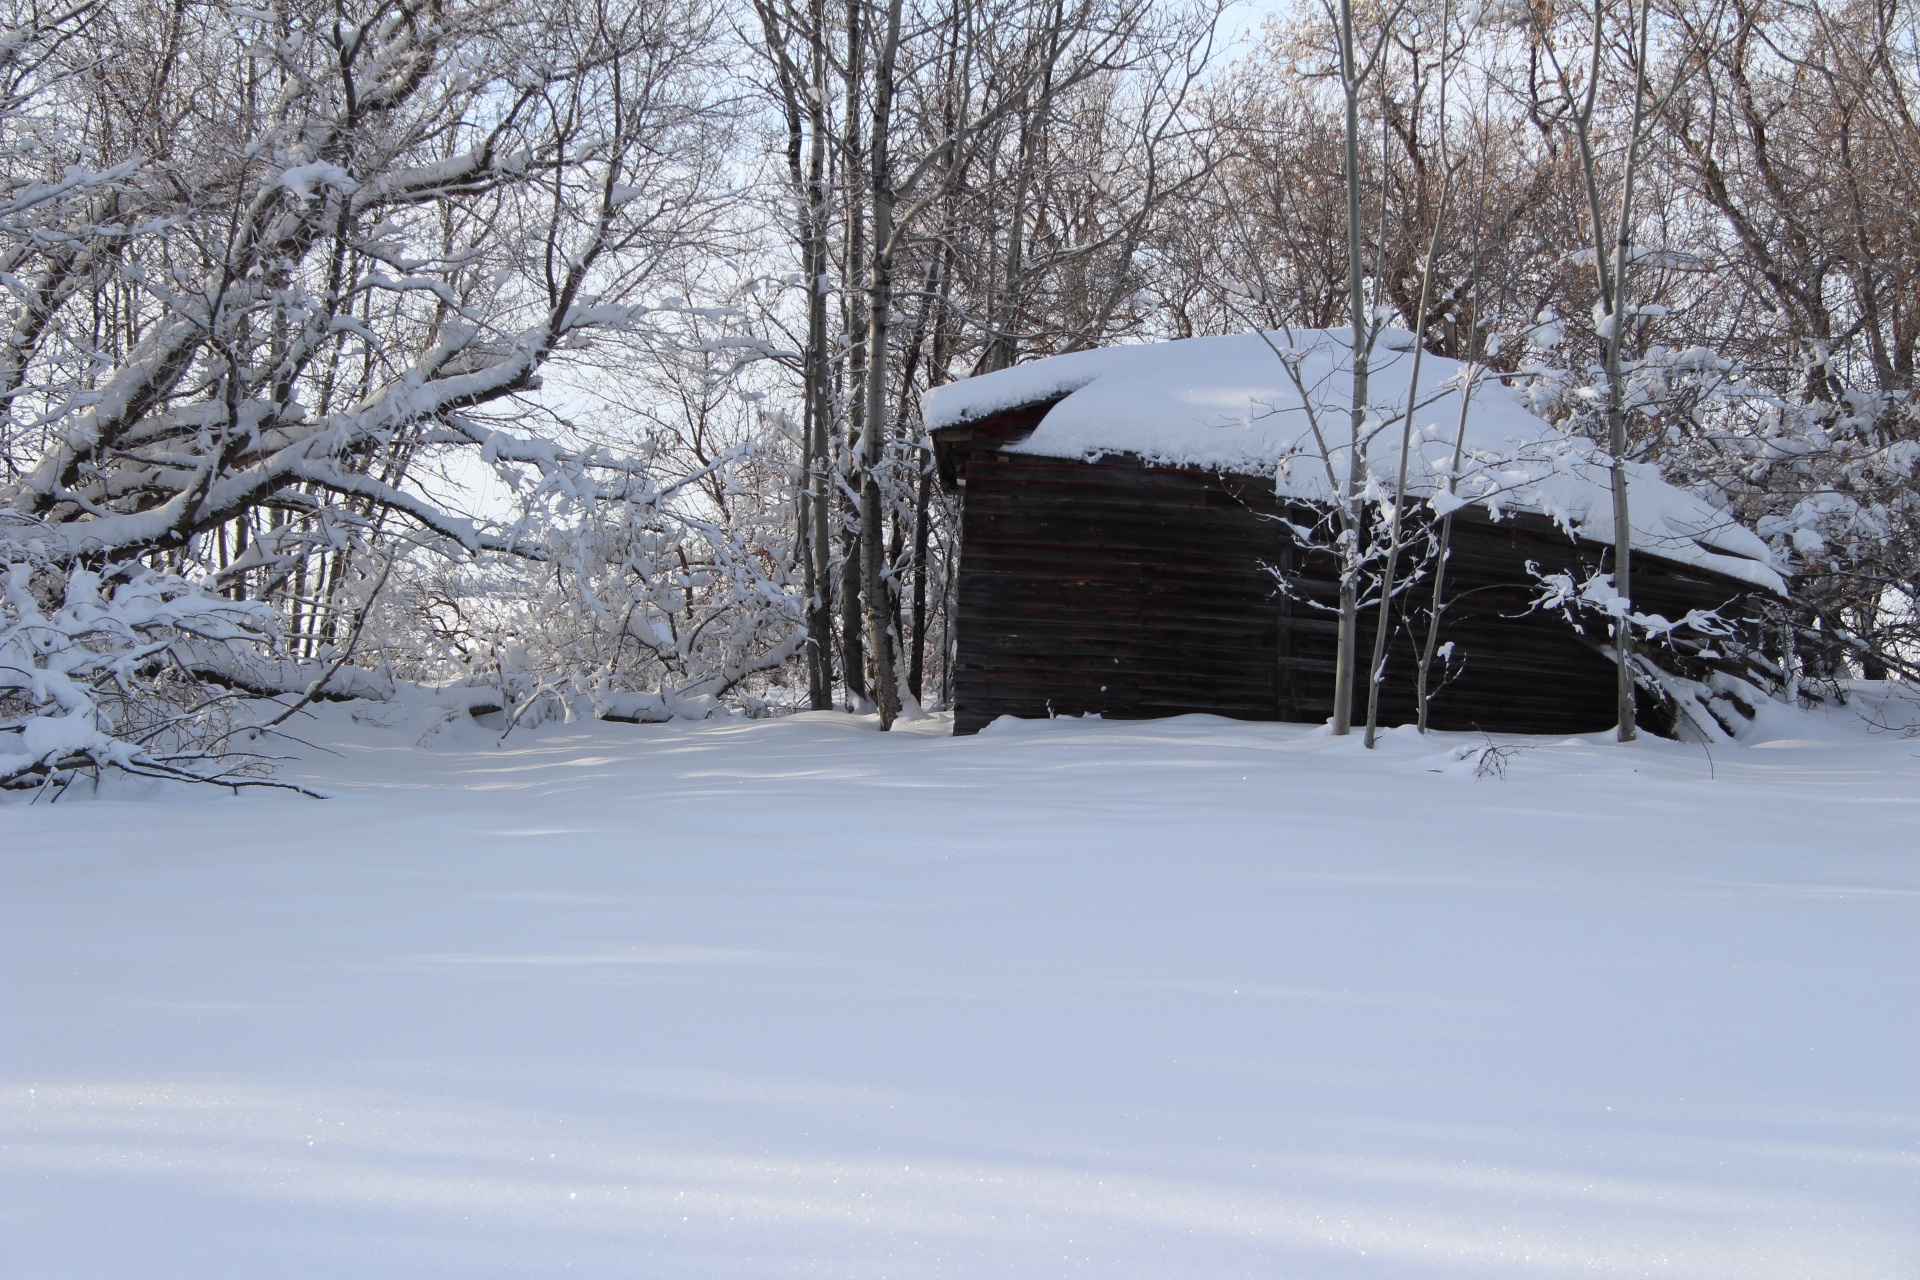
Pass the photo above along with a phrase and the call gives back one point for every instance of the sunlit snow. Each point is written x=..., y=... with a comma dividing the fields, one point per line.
x=791, y=998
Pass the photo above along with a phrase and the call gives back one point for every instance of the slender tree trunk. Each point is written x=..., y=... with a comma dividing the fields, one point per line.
x=1376, y=668
x=922, y=522
x=1005, y=302
x=1610, y=263
x=801, y=92
x=809, y=579
x=853, y=662
x=896, y=558
x=1347, y=643
x=916, y=658
x=241, y=528
x=1444, y=551
x=949, y=640
x=1790, y=658
x=1002, y=340
x=872, y=439
x=1617, y=442
x=931, y=294
x=819, y=374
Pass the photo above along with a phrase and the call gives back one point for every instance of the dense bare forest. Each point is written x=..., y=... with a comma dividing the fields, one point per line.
x=568, y=356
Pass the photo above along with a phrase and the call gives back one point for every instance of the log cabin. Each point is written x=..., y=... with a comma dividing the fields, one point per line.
x=1145, y=532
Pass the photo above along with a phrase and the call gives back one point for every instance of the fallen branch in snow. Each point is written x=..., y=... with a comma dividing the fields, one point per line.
x=274, y=675
x=65, y=772
x=1491, y=760
x=91, y=680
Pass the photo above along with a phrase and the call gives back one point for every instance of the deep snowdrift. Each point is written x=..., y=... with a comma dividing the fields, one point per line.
x=793, y=999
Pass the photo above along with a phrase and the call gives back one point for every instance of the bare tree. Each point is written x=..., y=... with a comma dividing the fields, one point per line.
x=1396, y=520
x=276, y=267
x=802, y=77
x=1798, y=140
x=1574, y=101
x=329, y=258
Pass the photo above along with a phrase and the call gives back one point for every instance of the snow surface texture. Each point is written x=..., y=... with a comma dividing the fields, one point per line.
x=789, y=998
x=1230, y=404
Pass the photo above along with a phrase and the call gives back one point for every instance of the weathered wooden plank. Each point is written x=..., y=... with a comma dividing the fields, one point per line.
x=1127, y=590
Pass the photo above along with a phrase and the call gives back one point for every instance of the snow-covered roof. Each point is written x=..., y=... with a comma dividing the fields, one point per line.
x=1230, y=404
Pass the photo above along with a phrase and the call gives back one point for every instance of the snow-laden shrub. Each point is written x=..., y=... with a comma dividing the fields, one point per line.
x=97, y=671
x=1832, y=487
x=650, y=601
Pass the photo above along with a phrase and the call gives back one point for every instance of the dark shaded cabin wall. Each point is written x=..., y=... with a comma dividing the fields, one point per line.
x=1112, y=588
x=1132, y=591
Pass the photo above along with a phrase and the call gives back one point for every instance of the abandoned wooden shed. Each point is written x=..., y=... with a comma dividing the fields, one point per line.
x=1132, y=545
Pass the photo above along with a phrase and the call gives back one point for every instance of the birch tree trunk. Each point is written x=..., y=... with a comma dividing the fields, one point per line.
x=1376, y=666
x=1347, y=641
x=819, y=379
x=1617, y=444
x=1611, y=262
x=1443, y=549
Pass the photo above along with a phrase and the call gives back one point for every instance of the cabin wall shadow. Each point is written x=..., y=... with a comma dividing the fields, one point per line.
x=1130, y=591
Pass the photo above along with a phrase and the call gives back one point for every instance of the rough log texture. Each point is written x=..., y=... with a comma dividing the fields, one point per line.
x=1135, y=591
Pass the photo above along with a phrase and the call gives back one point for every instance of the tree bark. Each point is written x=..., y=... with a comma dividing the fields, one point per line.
x=853, y=662
x=1347, y=642
x=916, y=659
x=819, y=373
x=1376, y=666
x=1617, y=443
x=880, y=640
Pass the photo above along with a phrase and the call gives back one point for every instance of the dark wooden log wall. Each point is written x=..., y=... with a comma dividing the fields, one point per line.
x=1134, y=591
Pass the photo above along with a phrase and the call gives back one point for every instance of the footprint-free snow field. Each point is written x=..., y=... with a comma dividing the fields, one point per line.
x=793, y=998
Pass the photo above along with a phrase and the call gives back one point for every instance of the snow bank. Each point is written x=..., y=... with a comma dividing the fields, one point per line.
x=1230, y=404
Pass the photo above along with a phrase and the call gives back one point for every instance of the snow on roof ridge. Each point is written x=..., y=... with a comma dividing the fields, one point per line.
x=1229, y=403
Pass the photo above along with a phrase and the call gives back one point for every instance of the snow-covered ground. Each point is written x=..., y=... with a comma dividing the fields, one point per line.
x=791, y=998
